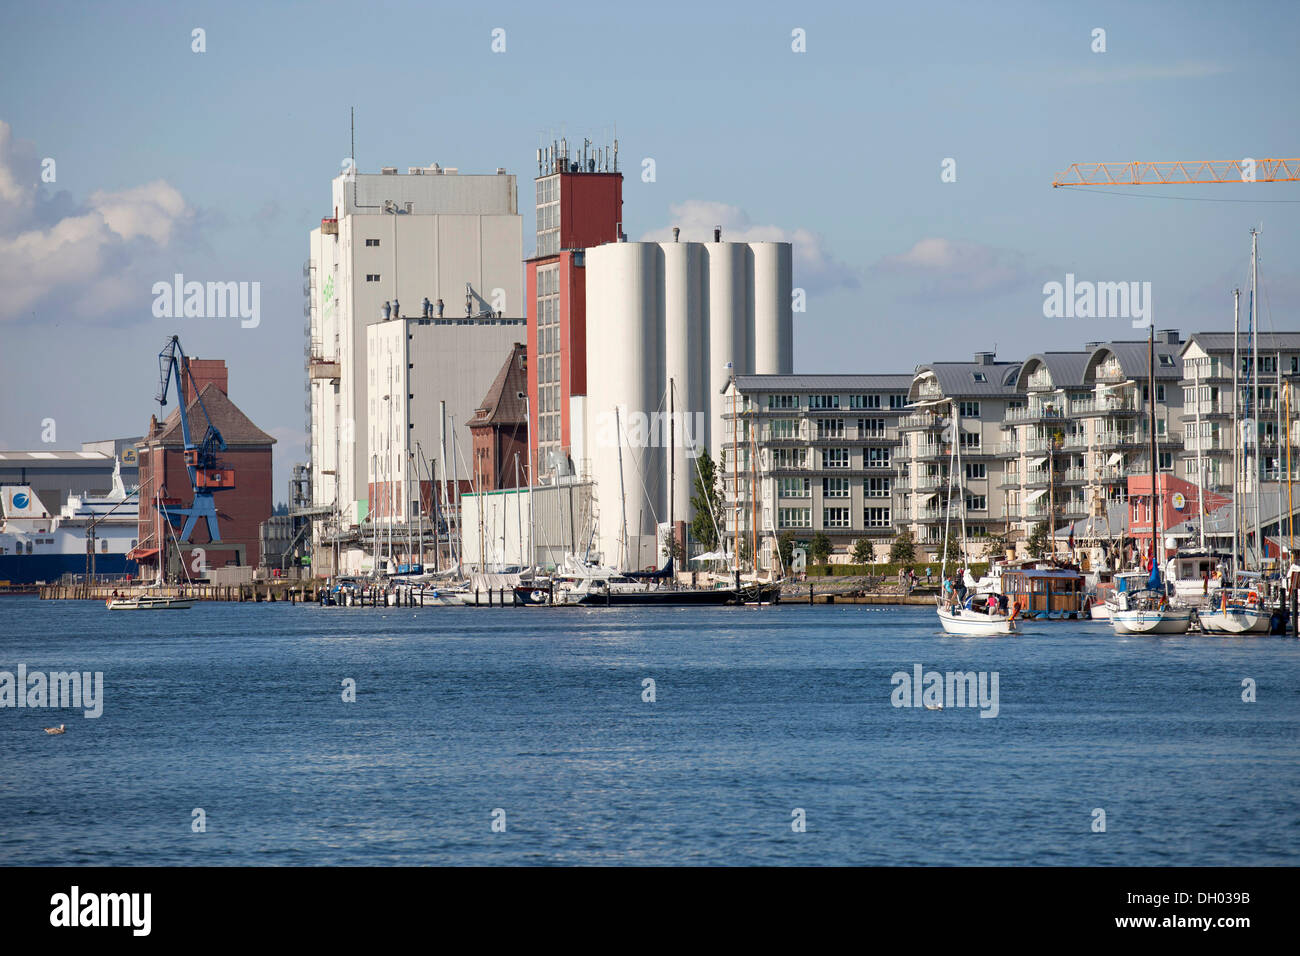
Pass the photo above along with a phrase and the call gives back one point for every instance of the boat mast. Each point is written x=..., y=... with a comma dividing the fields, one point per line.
x=1254, y=378
x=622, y=492
x=672, y=480
x=947, y=514
x=1277, y=400
x=753, y=495
x=1238, y=436
x=1200, y=465
x=956, y=419
x=1151, y=404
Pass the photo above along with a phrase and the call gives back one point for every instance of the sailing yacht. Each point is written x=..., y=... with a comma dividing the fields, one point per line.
x=978, y=618
x=1150, y=611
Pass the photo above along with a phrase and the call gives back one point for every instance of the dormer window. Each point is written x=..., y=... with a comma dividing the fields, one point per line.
x=979, y=376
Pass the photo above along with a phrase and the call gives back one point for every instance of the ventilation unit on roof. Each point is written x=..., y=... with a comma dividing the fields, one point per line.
x=388, y=171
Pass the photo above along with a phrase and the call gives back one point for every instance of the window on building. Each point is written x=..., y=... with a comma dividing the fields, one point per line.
x=970, y=440
x=897, y=401
x=794, y=517
x=979, y=376
x=830, y=428
x=372, y=276
x=794, y=487
x=877, y=487
x=864, y=401
x=780, y=428
x=968, y=409
x=823, y=401
x=835, y=458
x=976, y=470
x=1166, y=463
x=871, y=428
x=977, y=503
x=783, y=401
x=877, y=458
x=372, y=242
x=876, y=518
x=977, y=530
x=835, y=487
x=836, y=518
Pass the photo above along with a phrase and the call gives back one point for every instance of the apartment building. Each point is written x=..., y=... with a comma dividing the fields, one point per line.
x=1208, y=411
x=813, y=453
x=969, y=401
x=1082, y=431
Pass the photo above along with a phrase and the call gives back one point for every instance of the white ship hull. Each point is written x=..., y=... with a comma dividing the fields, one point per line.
x=1172, y=620
x=1235, y=622
x=966, y=623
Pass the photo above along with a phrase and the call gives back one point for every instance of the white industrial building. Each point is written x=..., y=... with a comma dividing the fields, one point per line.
x=691, y=313
x=419, y=370
x=431, y=233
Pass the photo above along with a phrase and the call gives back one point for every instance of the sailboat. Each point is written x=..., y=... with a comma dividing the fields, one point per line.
x=975, y=619
x=1241, y=607
x=1149, y=611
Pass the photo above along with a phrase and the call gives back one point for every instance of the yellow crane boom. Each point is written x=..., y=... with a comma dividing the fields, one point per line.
x=1181, y=172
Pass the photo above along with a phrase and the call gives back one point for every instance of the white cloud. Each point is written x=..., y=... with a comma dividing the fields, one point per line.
x=89, y=262
x=942, y=268
x=815, y=269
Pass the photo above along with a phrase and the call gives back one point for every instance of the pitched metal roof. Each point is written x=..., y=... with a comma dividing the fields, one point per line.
x=1266, y=341
x=796, y=383
x=957, y=379
x=1132, y=356
x=1065, y=368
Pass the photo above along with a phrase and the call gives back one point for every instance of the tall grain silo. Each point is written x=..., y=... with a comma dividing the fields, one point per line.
x=625, y=371
x=728, y=331
x=773, y=350
x=684, y=304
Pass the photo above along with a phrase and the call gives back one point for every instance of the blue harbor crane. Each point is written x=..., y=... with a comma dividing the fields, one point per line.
x=207, y=475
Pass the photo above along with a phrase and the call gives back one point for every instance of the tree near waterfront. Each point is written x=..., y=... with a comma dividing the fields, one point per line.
x=819, y=548
x=863, y=552
x=706, y=501
x=903, y=550
x=1037, y=543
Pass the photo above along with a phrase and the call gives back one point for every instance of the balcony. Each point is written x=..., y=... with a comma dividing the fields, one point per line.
x=323, y=369
x=919, y=422
x=1097, y=407
x=1033, y=413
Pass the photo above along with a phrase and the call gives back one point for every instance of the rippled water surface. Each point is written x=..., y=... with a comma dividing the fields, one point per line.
x=460, y=712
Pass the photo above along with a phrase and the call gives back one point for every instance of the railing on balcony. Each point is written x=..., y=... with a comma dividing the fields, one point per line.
x=1033, y=413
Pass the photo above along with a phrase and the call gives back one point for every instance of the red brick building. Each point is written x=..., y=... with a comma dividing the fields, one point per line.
x=577, y=208
x=500, y=428
x=241, y=508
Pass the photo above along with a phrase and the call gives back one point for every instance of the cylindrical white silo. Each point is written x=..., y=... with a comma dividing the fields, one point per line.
x=624, y=371
x=728, y=339
x=773, y=320
x=683, y=325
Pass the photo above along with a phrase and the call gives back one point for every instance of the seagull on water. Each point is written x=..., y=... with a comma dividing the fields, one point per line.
x=56, y=730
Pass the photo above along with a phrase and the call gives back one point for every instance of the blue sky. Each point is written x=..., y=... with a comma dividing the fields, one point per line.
x=217, y=165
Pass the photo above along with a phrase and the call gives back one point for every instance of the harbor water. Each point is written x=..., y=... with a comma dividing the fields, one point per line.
x=535, y=736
